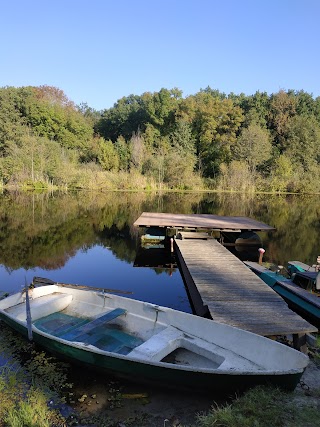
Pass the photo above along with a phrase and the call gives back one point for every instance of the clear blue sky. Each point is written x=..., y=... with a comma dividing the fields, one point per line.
x=98, y=51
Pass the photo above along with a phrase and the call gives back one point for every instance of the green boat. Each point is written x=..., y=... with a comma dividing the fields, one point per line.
x=301, y=267
x=146, y=342
x=301, y=290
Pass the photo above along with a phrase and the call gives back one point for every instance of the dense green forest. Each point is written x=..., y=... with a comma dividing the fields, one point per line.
x=161, y=140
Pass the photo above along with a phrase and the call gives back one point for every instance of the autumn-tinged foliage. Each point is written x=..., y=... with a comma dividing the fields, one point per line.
x=161, y=140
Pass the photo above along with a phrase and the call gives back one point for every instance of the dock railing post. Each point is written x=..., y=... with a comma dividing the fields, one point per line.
x=261, y=252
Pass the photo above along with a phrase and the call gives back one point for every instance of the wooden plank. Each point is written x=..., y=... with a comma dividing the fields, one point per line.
x=232, y=293
x=84, y=329
x=195, y=235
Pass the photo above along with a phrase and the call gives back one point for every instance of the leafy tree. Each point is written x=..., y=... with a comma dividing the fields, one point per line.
x=282, y=108
x=182, y=138
x=253, y=146
x=256, y=109
x=151, y=137
x=127, y=116
x=303, y=142
x=137, y=150
x=179, y=170
x=123, y=150
x=35, y=160
x=55, y=118
x=215, y=125
x=215, y=93
x=160, y=108
x=282, y=174
x=305, y=104
x=317, y=108
x=12, y=120
x=92, y=116
x=108, y=156
x=237, y=176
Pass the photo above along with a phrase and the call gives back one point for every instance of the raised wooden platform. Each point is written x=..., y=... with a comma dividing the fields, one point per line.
x=223, y=288
x=195, y=221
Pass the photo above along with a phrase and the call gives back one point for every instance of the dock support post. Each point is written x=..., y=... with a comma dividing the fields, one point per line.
x=300, y=342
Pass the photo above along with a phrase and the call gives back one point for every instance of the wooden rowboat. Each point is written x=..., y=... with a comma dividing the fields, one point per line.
x=147, y=342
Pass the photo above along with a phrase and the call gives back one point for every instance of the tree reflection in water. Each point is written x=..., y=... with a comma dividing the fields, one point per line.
x=89, y=238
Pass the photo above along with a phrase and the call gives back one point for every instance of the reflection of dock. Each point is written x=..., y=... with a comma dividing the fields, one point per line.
x=155, y=257
x=222, y=287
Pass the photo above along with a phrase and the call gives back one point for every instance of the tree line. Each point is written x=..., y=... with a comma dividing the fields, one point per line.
x=161, y=140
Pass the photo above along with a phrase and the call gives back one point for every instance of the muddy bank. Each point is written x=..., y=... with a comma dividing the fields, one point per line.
x=107, y=400
x=138, y=405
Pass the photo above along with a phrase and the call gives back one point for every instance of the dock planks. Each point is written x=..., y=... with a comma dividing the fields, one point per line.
x=219, y=283
x=195, y=221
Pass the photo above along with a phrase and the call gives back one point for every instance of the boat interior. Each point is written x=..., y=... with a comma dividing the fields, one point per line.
x=118, y=330
x=309, y=281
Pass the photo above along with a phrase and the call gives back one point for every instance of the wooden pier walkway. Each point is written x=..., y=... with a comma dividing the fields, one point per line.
x=200, y=221
x=221, y=286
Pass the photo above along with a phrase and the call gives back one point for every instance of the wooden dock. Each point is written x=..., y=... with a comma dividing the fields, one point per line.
x=222, y=287
x=200, y=221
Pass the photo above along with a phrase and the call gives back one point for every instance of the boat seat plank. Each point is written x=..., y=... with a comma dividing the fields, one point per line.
x=159, y=345
x=59, y=323
x=111, y=315
x=41, y=307
x=165, y=342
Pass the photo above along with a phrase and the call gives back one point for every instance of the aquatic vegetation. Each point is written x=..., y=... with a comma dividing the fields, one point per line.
x=28, y=382
x=23, y=405
x=32, y=411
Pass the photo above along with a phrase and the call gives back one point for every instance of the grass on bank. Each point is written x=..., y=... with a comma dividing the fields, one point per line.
x=268, y=407
x=262, y=407
x=24, y=405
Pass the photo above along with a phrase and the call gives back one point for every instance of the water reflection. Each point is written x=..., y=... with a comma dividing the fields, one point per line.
x=89, y=238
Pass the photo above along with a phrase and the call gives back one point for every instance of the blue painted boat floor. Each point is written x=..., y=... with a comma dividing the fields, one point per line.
x=59, y=323
x=107, y=337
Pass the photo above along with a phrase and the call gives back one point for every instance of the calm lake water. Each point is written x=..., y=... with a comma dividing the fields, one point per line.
x=89, y=238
